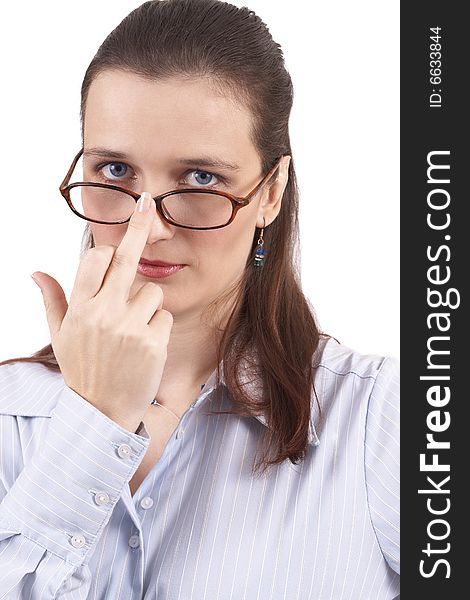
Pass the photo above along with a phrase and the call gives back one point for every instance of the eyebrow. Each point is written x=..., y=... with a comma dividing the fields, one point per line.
x=203, y=161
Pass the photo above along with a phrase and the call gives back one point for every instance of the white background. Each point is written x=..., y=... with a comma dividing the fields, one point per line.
x=343, y=59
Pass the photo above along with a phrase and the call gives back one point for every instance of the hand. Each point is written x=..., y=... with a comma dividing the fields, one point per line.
x=111, y=350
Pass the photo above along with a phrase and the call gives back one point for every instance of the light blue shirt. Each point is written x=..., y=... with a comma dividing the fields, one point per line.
x=200, y=527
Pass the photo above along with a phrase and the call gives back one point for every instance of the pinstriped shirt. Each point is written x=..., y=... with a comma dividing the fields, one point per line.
x=200, y=526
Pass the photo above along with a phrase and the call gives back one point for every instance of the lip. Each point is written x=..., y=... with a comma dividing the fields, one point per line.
x=159, y=263
x=158, y=270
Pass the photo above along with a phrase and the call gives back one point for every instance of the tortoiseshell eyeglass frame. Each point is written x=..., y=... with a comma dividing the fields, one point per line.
x=237, y=201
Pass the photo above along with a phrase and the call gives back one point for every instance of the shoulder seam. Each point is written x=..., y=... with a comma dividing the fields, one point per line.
x=353, y=372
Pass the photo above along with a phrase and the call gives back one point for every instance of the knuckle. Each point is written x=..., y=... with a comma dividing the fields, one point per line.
x=132, y=337
x=167, y=316
x=80, y=319
x=98, y=254
x=136, y=224
x=121, y=260
x=104, y=321
x=156, y=348
x=154, y=288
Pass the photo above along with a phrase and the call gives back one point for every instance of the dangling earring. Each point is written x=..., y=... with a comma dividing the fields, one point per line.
x=260, y=254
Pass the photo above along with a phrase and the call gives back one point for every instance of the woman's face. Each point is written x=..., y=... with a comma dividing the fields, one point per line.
x=157, y=126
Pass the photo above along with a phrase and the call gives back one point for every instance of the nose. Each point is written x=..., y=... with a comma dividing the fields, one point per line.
x=160, y=229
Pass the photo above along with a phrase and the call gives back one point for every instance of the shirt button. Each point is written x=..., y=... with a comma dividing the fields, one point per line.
x=146, y=502
x=134, y=541
x=101, y=498
x=77, y=540
x=124, y=451
x=179, y=433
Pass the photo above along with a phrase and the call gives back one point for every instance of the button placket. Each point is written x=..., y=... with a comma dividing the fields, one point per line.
x=77, y=540
x=146, y=502
x=124, y=451
x=101, y=498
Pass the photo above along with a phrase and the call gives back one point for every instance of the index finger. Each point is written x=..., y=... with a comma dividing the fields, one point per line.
x=122, y=269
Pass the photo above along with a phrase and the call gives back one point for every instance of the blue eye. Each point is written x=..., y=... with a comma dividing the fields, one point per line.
x=204, y=178
x=117, y=170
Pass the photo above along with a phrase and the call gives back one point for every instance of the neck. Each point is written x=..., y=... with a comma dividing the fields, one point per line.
x=192, y=353
x=191, y=358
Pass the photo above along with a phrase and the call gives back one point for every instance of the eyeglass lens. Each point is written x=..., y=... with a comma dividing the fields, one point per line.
x=190, y=209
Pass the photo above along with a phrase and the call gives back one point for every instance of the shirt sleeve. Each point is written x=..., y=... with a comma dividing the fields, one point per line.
x=54, y=513
x=382, y=461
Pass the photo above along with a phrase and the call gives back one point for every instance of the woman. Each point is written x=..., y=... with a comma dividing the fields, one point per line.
x=128, y=444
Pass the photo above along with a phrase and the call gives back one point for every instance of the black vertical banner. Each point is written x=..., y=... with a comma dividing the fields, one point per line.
x=435, y=233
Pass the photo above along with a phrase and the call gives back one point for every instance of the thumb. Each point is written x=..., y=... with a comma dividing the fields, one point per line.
x=54, y=300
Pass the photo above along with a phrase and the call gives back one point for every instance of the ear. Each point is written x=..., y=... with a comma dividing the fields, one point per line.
x=270, y=204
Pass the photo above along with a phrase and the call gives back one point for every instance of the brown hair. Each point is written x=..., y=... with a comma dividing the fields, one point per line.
x=273, y=320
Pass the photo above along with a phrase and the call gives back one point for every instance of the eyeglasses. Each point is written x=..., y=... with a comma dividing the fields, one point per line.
x=189, y=208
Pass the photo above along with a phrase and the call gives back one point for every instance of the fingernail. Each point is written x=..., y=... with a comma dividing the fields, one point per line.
x=144, y=202
x=34, y=279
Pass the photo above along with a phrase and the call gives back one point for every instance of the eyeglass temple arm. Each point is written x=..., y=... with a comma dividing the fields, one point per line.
x=70, y=171
x=265, y=179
